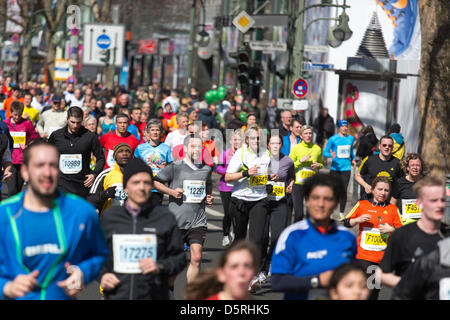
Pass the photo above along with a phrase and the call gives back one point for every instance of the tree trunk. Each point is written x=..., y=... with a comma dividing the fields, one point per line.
x=51, y=55
x=26, y=57
x=433, y=90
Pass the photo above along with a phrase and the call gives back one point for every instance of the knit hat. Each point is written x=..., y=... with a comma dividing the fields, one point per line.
x=121, y=146
x=133, y=167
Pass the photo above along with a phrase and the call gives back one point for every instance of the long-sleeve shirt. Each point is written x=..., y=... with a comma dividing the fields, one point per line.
x=343, y=147
x=303, y=169
x=51, y=121
x=221, y=169
x=22, y=132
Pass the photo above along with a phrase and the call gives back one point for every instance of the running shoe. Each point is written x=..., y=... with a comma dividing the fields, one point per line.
x=226, y=241
x=254, y=285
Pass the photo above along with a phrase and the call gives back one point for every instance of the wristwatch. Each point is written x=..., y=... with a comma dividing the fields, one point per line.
x=315, y=282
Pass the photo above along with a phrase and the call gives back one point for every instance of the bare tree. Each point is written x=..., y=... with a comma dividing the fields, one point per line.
x=54, y=15
x=28, y=10
x=433, y=91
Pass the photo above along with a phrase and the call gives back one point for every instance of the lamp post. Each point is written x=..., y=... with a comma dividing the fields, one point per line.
x=340, y=33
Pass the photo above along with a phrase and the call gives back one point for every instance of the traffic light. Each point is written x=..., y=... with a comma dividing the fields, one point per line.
x=105, y=56
x=256, y=77
x=243, y=57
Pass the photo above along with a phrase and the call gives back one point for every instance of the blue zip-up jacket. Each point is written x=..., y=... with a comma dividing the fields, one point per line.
x=81, y=242
x=302, y=251
x=286, y=148
x=343, y=146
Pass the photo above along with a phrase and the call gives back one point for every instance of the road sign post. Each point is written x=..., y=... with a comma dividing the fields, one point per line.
x=101, y=37
x=300, y=88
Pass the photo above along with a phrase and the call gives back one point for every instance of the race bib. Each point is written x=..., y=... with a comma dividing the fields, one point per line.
x=372, y=240
x=444, y=289
x=128, y=249
x=343, y=152
x=194, y=190
x=120, y=195
x=110, y=159
x=410, y=210
x=70, y=163
x=278, y=191
x=260, y=180
x=303, y=174
x=19, y=137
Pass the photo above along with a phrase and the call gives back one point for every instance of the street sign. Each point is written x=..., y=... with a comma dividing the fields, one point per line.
x=62, y=69
x=284, y=104
x=316, y=48
x=309, y=66
x=300, y=88
x=147, y=46
x=101, y=37
x=270, y=20
x=268, y=46
x=300, y=105
x=243, y=22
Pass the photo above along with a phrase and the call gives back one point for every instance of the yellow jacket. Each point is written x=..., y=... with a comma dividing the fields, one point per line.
x=114, y=178
x=303, y=169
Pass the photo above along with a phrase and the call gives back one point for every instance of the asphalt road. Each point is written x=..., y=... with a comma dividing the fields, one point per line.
x=213, y=248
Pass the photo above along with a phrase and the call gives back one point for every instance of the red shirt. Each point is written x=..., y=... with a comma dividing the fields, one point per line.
x=110, y=140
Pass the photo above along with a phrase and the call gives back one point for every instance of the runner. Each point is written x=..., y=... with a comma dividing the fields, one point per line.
x=53, y=119
x=248, y=170
x=276, y=214
x=120, y=134
x=145, y=244
x=189, y=190
x=23, y=134
x=340, y=148
x=307, y=157
x=76, y=144
x=229, y=280
x=155, y=153
x=29, y=112
x=106, y=123
x=15, y=95
x=411, y=241
x=107, y=189
x=56, y=260
x=175, y=139
x=376, y=220
x=293, y=138
x=349, y=282
x=225, y=188
x=308, y=251
x=382, y=164
x=403, y=195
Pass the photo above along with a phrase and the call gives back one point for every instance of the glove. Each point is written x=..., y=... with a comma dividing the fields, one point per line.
x=111, y=192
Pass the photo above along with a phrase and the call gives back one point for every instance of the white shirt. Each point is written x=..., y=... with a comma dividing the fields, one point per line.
x=37, y=105
x=175, y=138
x=242, y=188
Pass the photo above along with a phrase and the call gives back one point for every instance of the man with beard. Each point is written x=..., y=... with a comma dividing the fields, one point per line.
x=48, y=252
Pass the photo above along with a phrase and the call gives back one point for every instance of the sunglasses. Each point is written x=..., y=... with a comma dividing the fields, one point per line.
x=387, y=145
